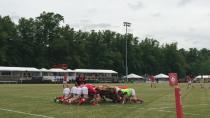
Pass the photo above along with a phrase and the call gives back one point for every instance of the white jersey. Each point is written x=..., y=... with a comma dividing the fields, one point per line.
x=74, y=90
x=79, y=91
x=66, y=91
x=84, y=90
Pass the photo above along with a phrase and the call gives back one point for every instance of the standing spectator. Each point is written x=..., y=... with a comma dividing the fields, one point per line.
x=189, y=81
x=80, y=79
x=202, y=81
x=157, y=80
x=152, y=81
x=65, y=81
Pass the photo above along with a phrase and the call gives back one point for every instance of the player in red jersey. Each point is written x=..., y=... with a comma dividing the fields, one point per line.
x=152, y=81
x=89, y=93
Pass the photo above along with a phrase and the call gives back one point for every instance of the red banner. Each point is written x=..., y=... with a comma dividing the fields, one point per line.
x=63, y=66
x=173, y=79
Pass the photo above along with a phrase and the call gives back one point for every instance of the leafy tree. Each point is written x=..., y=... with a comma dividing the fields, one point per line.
x=8, y=34
x=43, y=41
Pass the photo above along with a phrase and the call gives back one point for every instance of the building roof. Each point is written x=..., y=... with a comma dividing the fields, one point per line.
x=93, y=71
x=3, y=68
x=57, y=70
x=69, y=70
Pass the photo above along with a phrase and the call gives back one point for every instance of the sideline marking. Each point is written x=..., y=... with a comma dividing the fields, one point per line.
x=175, y=107
x=161, y=109
x=183, y=113
x=195, y=105
x=20, y=112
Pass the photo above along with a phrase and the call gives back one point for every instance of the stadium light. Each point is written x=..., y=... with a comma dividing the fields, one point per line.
x=126, y=24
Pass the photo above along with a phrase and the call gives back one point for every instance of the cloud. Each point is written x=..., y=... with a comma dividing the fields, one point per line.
x=87, y=26
x=92, y=10
x=183, y=21
x=189, y=38
x=184, y=2
x=97, y=26
x=15, y=17
x=136, y=6
x=85, y=21
x=156, y=14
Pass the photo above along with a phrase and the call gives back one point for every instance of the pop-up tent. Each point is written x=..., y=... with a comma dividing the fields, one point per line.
x=161, y=76
x=205, y=78
x=134, y=76
x=202, y=76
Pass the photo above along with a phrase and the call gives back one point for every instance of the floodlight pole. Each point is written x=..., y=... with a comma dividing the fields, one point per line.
x=126, y=24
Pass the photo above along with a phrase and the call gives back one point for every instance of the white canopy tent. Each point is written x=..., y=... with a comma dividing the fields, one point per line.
x=159, y=76
x=203, y=76
x=134, y=76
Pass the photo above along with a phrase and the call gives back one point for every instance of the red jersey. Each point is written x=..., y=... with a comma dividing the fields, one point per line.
x=189, y=78
x=152, y=78
x=65, y=78
x=91, y=88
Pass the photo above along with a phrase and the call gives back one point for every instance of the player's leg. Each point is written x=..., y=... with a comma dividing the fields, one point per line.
x=84, y=93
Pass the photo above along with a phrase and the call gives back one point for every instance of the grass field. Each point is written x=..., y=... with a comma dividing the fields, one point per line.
x=36, y=101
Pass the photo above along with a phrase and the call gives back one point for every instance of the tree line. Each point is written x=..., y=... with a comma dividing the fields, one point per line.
x=43, y=41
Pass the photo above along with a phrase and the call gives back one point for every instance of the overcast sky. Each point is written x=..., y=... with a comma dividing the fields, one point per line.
x=184, y=21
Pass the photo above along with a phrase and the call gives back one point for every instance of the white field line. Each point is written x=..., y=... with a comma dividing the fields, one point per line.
x=183, y=106
x=161, y=109
x=20, y=112
x=195, y=105
x=163, y=104
x=129, y=106
x=114, y=105
x=31, y=97
x=192, y=113
x=175, y=112
x=136, y=107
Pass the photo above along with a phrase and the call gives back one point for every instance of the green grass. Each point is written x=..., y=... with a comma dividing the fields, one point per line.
x=159, y=102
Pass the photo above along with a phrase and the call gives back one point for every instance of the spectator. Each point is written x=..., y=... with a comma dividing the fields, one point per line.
x=189, y=81
x=80, y=79
x=65, y=81
x=152, y=81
